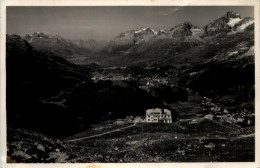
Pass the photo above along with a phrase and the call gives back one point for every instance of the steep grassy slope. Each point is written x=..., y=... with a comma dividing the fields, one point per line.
x=181, y=141
x=151, y=52
x=228, y=76
x=33, y=77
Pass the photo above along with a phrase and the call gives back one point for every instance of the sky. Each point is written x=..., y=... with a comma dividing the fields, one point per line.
x=105, y=23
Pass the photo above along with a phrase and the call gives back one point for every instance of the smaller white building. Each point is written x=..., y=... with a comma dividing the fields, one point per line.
x=139, y=119
x=209, y=116
x=158, y=115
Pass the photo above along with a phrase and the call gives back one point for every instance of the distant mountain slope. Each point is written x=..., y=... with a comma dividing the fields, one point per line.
x=91, y=45
x=65, y=48
x=44, y=68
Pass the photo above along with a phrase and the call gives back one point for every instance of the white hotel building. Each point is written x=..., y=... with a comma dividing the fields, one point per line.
x=158, y=115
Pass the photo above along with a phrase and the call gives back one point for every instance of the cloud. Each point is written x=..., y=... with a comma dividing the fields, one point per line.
x=172, y=10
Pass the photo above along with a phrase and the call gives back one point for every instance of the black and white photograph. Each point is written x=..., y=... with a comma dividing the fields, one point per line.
x=130, y=84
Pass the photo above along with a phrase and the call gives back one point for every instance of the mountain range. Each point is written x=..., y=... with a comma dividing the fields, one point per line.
x=140, y=41
x=145, y=46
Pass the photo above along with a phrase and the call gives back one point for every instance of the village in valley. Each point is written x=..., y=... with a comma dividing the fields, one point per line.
x=144, y=81
x=210, y=110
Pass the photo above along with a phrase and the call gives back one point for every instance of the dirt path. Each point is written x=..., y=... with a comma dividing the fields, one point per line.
x=78, y=139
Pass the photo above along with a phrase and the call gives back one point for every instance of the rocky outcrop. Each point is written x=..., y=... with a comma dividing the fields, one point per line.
x=161, y=32
x=133, y=37
x=181, y=30
x=143, y=35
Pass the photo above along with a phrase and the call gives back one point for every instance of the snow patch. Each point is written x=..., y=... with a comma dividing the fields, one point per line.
x=243, y=48
x=233, y=21
x=162, y=31
x=144, y=29
x=250, y=52
x=232, y=32
x=232, y=53
x=196, y=31
x=193, y=73
x=243, y=26
x=138, y=31
x=154, y=32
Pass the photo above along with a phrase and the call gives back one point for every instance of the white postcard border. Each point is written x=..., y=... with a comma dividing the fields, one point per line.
x=5, y=3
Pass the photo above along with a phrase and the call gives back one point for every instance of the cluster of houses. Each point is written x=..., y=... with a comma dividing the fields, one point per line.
x=110, y=76
x=149, y=82
x=224, y=115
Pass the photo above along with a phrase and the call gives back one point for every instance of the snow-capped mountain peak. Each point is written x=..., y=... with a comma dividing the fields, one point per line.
x=144, y=29
x=231, y=22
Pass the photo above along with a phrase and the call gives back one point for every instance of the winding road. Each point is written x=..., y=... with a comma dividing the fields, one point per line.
x=119, y=129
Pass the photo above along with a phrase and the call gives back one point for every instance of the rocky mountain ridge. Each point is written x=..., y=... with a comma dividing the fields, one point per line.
x=230, y=22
